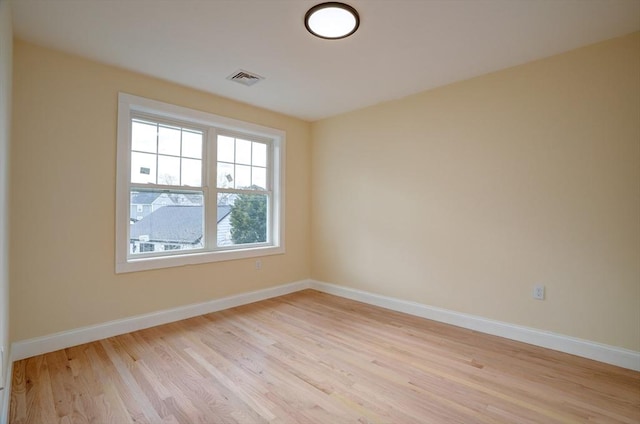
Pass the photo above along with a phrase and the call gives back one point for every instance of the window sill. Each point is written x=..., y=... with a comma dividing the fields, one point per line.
x=144, y=264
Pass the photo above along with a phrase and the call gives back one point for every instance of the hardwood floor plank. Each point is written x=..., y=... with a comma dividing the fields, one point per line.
x=115, y=401
x=18, y=398
x=310, y=357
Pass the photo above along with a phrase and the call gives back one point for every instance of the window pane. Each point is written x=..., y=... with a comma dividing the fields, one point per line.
x=170, y=221
x=226, y=175
x=243, y=152
x=243, y=176
x=143, y=137
x=169, y=141
x=259, y=154
x=192, y=172
x=192, y=144
x=259, y=177
x=168, y=170
x=244, y=221
x=143, y=168
x=226, y=149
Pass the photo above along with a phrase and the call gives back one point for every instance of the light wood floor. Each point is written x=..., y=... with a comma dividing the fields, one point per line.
x=314, y=358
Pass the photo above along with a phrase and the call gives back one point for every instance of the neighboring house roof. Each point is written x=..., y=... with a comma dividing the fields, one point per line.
x=174, y=224
x=223, y=211
x=194, y=198
x=179, y=224
x=144, y=197
x=149, y=197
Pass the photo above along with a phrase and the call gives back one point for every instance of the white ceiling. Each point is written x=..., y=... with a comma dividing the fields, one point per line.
x=402, y=46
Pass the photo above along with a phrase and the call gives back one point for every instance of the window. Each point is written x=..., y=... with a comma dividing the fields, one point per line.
x=195, y=187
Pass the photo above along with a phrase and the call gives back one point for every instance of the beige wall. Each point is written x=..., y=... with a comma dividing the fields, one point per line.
x=63, y=191
x=6, y=41
x=464, y=197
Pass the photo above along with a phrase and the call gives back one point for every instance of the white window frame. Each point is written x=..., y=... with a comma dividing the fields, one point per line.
x=129, y=105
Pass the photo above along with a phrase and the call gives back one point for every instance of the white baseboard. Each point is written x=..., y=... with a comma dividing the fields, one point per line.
x=6, y=393
x=39, y=345
x=600, y=352
x=587, y=349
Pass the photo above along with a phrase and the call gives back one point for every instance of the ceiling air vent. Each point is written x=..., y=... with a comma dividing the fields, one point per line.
x=245, y=77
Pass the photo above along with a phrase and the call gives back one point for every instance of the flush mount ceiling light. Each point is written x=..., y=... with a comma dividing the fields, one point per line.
x=332, y=20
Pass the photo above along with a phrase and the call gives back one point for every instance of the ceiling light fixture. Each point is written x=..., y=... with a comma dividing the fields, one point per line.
x=332, y=20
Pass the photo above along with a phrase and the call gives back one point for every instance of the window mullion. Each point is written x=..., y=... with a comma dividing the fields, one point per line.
x=211, y=199
x=157, y=151
x=180, y=163
x=163, y=188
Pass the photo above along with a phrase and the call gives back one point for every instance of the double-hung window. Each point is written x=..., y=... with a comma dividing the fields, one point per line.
x=193, y=187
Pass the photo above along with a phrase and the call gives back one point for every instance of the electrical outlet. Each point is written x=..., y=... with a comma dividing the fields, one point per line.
x=538, y=292
x=258, y=264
